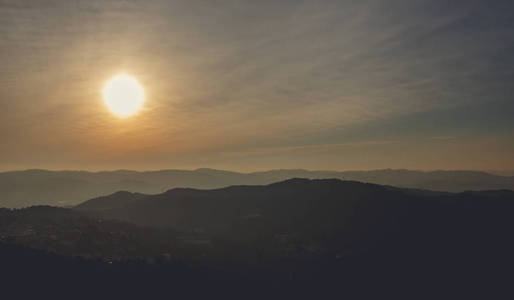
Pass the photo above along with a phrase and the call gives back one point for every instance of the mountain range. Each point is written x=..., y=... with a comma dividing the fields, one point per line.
x=68, y=188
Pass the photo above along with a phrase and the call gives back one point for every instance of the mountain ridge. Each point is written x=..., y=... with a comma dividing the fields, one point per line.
x=65, y=188
x=187, y=208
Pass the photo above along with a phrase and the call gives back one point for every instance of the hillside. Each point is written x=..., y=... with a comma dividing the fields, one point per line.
x=67, y=232
x=342, y=216
x=294, y=233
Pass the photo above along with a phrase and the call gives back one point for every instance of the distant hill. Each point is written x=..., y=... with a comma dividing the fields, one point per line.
x=66, y=188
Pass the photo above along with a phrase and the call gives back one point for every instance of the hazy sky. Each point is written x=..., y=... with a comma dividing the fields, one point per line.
x=252, y=85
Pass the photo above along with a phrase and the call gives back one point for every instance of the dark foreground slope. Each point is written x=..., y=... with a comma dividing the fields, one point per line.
x=62, y=188
x=34, y=274
x=67, y=232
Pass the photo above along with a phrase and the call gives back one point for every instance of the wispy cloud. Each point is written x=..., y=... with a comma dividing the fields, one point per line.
x=319, y=149
x=251, y=74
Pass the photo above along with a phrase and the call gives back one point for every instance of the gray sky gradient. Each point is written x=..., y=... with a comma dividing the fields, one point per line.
x=252, y=85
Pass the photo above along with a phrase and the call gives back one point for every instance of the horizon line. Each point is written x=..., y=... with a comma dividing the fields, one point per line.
x=490, y=171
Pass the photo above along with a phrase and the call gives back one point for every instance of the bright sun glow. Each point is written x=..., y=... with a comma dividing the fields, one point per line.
x=123, y=95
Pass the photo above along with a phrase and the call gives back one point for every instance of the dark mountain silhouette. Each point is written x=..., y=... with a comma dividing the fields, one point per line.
x=65, y=188
x=118, y=199
x=341, y=238
x=326, y=216
x=293, y=200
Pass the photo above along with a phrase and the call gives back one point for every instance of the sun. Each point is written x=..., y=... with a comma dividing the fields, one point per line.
x=123, y=95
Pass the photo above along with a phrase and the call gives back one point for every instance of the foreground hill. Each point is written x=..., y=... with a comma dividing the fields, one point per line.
x=326, y=216
x=294, y=203
x=64, y=188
